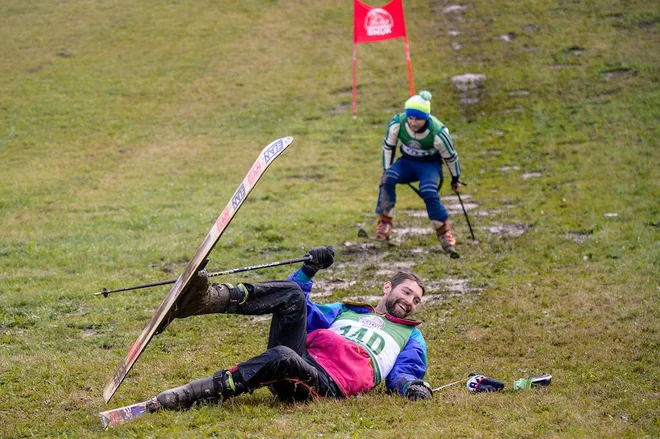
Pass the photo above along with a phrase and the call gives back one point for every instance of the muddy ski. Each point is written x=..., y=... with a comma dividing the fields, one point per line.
x=267, y=156
x=363, y=234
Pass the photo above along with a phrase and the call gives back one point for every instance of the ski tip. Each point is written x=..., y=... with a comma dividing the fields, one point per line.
x=362, y=233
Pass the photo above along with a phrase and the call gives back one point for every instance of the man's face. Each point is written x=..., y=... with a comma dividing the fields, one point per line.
x=402, y=299
x=415, y=123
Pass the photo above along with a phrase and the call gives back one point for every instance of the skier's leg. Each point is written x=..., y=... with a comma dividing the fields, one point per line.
x=286, y=301
x=399, y=172
x=289, y=375
x=429, y=174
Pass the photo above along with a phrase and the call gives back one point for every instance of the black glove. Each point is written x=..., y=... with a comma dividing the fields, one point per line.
x=418, y=389
x=480, y=383
x=321, y=257
x=455, y=183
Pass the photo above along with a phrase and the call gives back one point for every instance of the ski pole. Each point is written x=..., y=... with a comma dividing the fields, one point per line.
x=466, y=215
x=450, y=384
x=305, y=258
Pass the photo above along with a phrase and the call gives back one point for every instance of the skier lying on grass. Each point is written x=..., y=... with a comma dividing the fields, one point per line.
x=335, y=350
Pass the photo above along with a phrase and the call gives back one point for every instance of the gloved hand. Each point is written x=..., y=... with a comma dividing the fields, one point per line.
x=321, y=258
x=480, y=383
x=455, y=184
x=418, y=389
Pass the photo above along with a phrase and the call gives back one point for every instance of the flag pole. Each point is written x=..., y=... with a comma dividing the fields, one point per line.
x=410, y=77
x=354, y=80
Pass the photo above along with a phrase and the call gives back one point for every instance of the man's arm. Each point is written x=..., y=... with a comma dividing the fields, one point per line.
x=390, y=141
x=406, y=377
x=445, y=146
x=318, y=316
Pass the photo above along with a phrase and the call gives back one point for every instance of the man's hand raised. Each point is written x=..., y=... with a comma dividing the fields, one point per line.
x=321, y=258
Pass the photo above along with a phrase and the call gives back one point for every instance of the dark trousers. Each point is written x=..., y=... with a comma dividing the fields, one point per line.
x=286, y=367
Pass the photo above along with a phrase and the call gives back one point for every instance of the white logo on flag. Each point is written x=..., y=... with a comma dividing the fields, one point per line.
x=378, y=22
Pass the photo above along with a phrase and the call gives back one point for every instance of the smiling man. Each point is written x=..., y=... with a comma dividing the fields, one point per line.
x=333, y=350
x=425, y=144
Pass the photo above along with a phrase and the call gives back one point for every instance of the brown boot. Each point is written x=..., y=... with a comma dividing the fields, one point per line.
x=205, y=299
x=446, y=239
x=384, y=228
x=200, y=298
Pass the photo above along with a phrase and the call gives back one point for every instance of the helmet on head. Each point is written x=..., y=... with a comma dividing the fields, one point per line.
x=419, y=106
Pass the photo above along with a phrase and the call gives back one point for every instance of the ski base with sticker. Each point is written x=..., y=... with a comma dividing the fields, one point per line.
x=114, y=417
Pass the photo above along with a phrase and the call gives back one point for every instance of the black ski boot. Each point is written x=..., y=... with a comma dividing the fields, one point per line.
x=222, y=385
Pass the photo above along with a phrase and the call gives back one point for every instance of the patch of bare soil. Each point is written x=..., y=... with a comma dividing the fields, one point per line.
x=577, y=237
x=510, y=230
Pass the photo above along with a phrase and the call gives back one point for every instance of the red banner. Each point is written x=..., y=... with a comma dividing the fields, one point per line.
x=378, y=24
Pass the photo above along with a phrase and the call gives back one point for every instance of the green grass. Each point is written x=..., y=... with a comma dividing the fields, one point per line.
x=125, y=127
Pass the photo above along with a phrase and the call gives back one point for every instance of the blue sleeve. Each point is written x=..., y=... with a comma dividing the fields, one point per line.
x=410, y=364
x=318, y=316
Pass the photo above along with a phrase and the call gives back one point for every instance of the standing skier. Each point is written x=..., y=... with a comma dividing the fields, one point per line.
x=334, y=350
x=425, y=143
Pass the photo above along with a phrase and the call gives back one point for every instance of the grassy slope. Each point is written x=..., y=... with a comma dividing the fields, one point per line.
x=125, y=128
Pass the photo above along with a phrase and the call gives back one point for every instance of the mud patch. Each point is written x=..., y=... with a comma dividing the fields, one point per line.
x=508, y=37
x=517, y=109
x=371, y=300
x=395, y=267
x=647, y=25
x=530, y=28
x=327, y=288
x=447, y=290
x=528, y=175
x=265, y=318
x=488, y=212
x=577, y=237
x=452, y=286
x=456, y=208
x=453, y=9
x=344, y=108
x=407, y=231
x=510, y=230
x=364, y=249
x=89, y=333
x=470, y=87
x=576, y=50
x=618, y=73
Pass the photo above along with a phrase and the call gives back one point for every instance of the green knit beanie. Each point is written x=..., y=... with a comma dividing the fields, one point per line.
x=419, y=106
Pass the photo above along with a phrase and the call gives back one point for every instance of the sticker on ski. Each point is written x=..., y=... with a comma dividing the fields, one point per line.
x=267, y=156
x=118, y=416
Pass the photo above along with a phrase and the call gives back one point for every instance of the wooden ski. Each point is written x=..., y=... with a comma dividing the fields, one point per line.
x=267, y=156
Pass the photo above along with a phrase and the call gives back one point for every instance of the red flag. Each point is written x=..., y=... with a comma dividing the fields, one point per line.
x=377, y=24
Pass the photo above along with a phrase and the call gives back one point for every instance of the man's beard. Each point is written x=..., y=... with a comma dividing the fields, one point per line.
x=392, y=307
